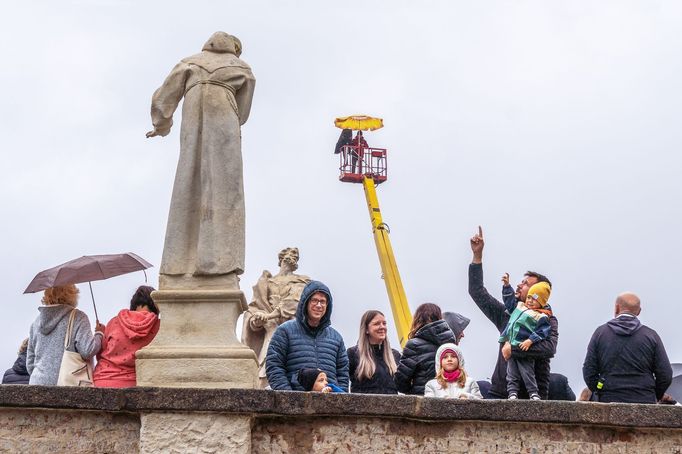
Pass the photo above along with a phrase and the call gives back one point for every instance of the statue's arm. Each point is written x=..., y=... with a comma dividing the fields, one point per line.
x=244, y=96
x=166, y=99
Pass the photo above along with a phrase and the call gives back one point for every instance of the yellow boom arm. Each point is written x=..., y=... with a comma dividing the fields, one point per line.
x=389, y=268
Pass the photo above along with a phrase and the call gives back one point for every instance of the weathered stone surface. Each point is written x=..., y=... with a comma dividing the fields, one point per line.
x=72, y=431
x=353, y=435
x=220, y=420
x=196, y=346
x=195, y=432
x=260, y=402
x=214, y=400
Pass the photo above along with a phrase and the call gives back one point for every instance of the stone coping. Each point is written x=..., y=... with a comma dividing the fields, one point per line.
x=292, y=404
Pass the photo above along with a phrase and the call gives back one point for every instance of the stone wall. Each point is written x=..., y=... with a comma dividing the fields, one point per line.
x=349, y=435
x=75, y=432
x=75, y=420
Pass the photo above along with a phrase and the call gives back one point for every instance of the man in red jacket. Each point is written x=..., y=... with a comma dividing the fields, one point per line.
x=359, y=143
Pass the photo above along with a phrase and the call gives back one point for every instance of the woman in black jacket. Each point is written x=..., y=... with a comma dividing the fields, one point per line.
x=417, y=365
x=17, y=374
x=372, y=362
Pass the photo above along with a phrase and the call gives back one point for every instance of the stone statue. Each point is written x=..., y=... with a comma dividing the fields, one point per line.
x=275, y=299
x=204, y=246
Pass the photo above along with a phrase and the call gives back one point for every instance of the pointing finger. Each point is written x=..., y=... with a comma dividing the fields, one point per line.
x=480, y=231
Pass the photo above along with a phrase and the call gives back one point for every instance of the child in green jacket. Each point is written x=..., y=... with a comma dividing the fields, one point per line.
x=528, y=324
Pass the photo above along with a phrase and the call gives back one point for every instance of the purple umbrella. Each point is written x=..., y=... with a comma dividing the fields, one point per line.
x=87, y=269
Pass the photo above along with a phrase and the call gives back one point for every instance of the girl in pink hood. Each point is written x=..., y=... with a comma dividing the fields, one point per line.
x=125, y=334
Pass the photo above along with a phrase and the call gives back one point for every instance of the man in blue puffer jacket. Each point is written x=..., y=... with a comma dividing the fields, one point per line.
x=308, y=341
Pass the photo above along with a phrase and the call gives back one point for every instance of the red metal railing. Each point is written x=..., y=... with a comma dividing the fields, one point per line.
x=356, y=162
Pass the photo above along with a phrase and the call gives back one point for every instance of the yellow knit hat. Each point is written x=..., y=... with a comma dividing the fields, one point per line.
x=540, y=292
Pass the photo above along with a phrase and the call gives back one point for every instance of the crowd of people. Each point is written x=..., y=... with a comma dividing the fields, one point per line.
x=61, y=328
x=625, y=360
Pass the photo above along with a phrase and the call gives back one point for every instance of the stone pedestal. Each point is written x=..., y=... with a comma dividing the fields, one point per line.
x=196, y=346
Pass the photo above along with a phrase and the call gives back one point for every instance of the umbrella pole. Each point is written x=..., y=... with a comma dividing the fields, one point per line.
x=93, y=301
x=145, y=276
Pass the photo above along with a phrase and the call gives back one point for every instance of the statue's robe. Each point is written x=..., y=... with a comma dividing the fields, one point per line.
x=205, y=232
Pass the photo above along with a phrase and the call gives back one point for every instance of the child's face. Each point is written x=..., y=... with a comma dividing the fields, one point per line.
x=449, y=362
x=320, y=383
x=532, y=304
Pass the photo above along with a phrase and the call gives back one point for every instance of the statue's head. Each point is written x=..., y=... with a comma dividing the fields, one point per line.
x=290, y=256
x=221, y=42
x=237, y=45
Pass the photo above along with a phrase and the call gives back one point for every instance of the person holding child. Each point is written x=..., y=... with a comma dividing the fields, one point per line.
x=528, y=324
x=451, y=379
x=495, y=311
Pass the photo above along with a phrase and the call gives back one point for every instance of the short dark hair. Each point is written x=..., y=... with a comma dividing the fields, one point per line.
x=142, y=297
x=539, y=277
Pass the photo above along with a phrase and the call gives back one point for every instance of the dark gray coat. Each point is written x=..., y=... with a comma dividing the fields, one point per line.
x=17, y=375
x=46, y=342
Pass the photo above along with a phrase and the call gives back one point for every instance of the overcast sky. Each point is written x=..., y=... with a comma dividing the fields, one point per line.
x=555, y=125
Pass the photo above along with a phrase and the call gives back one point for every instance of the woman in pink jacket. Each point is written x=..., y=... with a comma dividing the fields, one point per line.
x=125, y=334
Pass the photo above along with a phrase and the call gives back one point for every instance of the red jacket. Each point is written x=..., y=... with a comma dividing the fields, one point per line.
x=362, y=142
x=125, y=334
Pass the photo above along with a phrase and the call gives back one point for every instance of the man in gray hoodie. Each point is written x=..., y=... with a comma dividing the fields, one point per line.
x=47, y=333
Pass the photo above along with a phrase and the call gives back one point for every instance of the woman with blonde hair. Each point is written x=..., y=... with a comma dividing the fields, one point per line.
x=417, y=365
x=48, y=332
x=372, y=362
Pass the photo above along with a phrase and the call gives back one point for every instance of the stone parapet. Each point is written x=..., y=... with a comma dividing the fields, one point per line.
x=261, y=403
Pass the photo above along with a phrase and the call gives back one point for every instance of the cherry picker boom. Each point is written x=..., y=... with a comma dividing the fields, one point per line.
x=360, y=163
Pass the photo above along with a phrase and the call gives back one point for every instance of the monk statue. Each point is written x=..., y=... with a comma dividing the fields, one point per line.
x=275, y=300
x=204, y=244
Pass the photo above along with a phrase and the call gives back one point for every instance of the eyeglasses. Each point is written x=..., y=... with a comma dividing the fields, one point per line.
x=316, y=302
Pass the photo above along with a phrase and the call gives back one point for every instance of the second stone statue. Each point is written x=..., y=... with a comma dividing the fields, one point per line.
x=275, y=300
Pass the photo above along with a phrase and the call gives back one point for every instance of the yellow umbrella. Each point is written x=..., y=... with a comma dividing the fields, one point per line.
x=359, y=122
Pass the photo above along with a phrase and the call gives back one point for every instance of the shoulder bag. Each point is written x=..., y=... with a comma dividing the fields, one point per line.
x=74, y=370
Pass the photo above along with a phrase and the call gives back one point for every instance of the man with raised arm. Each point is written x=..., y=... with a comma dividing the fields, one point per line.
x=626, y=360
x=492, y=308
